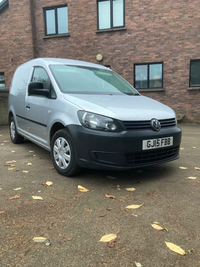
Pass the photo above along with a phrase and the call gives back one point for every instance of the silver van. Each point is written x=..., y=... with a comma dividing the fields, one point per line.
x=87, y=116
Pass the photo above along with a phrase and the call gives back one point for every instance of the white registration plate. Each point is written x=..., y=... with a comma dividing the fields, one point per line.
x=157, y=143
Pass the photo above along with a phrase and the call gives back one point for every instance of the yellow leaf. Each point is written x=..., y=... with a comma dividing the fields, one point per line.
x=133, y=207
x=192, y=178
x=10, y=169
x=49, y=183
x=37, y=198
x=2, y=144
x=9, y=162
x=182, y=148
x=194, y=146
x=29, y=164
x=25, y=171
x=197, y=168
x=110, y=196
x=175, y=248
x=108, y=238
x=6, y=141
x=130, y=189
x=157, y=227
x=31, y=151
x=182, y=168
x=39, y=239
x=13, y=151
x=51, y=168
x=82, y=189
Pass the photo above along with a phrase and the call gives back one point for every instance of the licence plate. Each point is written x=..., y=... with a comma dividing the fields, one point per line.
x=157, y=143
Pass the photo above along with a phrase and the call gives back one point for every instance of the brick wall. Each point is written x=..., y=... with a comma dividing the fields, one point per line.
x=156, y=31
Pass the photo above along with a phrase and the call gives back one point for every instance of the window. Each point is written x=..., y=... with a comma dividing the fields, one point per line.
x=40, y=75
x=2, y=81
x=3, y=5
x=195, y=73
x=148, y=76
x=110, y=14
x=56, y=20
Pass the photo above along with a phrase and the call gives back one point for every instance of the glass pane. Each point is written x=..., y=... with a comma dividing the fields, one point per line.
x=1, y=77
x=40, y=75
x=50, y=21
x=118, y=13
x=195, y=73
x=141, y=74
x=62, y=20
x=155, y=75
x=2, y=86
x=104, y=14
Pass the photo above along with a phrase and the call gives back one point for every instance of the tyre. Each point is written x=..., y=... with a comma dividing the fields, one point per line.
x=15, y=137
x=63, y=154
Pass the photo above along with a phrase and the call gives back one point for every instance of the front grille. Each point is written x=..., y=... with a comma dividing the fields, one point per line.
x=152, y=156
x=141, y=125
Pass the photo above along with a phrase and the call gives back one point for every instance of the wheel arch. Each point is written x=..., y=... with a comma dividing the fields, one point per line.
x=56, y=127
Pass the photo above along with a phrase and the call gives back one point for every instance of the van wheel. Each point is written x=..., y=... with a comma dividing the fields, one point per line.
x=15, y=137
x=63, y=154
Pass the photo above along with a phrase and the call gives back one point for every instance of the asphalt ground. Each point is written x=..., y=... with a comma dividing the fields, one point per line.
x=72, y=221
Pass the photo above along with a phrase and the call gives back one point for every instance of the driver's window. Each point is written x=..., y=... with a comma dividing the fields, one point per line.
x=40, y=75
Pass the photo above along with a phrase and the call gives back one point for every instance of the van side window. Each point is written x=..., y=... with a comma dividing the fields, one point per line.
x=40, y=75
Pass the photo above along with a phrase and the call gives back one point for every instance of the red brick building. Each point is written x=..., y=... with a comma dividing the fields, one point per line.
x=155, y=45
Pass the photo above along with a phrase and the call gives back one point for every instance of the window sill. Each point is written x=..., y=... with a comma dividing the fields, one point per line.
x=56, y=36
x=111, y=30
x=193, y=89
x=151, y=90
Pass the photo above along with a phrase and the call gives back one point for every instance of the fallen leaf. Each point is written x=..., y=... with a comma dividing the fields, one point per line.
x=182, y=148
x=130, y=189
x=13, y=151
x=34, y=155
x=10, y=162
x=2, y=144
x=17, y=188
x=1, y=212
x=103, y=215
x=51, y=168
x=29, y=164
x=26, y=171
x=137, y=264
x=133, y=206
x=194, y=146
x=197, y=168
x=82, y=189
x=49, y=183
x=39, y=239
x=110, y=177
x=110, y=244
x=192, y=178
x=6, y=141
x=134, y=215
x=37, y=198
x=31, y=151
x=157, y=227
x=15, y=197
x=110, y=196
x=108, y=238
x=10, y=169
x=51, y=205
x=183, y=168
x=175, y=248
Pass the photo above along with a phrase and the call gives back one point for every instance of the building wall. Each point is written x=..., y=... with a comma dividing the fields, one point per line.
x=156, y=31
x=16, y=44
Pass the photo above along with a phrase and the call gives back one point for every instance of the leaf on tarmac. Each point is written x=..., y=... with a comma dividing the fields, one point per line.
x=137, y=264
x=194, y=146
x=49, y=183
x=10, y=169
x=182, y=168
x=110, y=244
x=197, y=168
x=108, y=238
x=158, y=227
x=110, y=177
x=51, y=168
x=130, y=189
x=1, y=212
x=29, y=164
x=39, y=239
x=182, y=148
x=6, y=141
x=15, y=197
x=26, y=171
x=103, y=215
x=133, y=206
x=192, y=178
x=37, y=197
x=175, y=248
x=13, y=151
x=31, y=151
x=17, y=188
x=9, y=162
x=110, y=196
x=2, y=144
x=82, y=189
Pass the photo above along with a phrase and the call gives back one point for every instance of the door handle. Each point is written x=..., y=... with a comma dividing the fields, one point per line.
x=28, y=107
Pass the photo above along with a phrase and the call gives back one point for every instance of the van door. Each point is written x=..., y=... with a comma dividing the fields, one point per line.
x=37, y=116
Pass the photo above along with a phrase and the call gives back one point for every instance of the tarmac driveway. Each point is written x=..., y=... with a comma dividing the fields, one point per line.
x=73, y=222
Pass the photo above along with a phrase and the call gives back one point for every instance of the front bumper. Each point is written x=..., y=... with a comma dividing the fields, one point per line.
x=121, y=151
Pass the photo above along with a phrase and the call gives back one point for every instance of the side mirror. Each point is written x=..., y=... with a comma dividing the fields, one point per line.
x=36, y=88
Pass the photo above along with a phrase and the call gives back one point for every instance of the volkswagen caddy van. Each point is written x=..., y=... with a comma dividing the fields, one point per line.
x=87, y=116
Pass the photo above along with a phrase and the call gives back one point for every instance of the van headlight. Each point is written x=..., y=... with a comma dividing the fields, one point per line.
x=98, y=122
